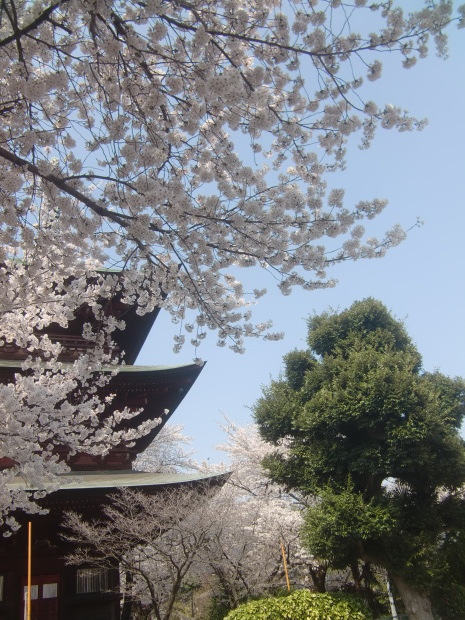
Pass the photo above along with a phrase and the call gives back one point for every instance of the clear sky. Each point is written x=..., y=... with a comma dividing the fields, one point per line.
x=422, y=281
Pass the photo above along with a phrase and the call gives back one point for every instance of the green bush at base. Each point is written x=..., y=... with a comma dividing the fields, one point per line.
x=303, y=605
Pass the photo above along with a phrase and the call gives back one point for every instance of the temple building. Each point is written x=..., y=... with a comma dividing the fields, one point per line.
x=60, y=591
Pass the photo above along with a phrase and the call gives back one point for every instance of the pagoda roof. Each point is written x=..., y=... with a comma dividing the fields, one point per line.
x=127, y=342
x=88, y=492
x=153, y=392
x=129, y=368
x=116, y=479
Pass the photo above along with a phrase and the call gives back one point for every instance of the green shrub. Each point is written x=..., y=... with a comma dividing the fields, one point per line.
x=303, y=605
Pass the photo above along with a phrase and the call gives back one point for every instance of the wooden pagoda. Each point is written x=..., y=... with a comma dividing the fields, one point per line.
x=59, y=591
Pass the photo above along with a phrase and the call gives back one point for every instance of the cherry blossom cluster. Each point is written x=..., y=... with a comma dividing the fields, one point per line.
x=190, y=139
x=250, y=516
x=51, y=406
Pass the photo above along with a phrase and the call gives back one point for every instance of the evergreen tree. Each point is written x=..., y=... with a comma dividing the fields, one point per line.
x=376, y=439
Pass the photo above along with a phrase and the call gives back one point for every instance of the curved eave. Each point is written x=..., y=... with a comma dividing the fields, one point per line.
x=111, y=480
x=131, y=339
x=155, y=371
x=131, y=374
x=165, y=387
x=131, y=369
x=156, y=391
x=88, y=493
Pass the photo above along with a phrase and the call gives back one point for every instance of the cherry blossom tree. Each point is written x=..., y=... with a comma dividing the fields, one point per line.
x=177, y=141
x=240, y=531
x=152, y=540
x=168, y=452
x=122, y=122
x=250, y=517
x=255, y=520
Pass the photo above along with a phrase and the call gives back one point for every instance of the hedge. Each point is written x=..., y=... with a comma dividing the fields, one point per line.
x=303, y=605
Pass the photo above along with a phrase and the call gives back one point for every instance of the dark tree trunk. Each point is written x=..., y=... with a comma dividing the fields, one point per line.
x=126, y=609
x=356, y=576
x=318, y=575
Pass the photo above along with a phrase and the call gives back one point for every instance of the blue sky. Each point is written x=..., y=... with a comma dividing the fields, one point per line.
x=421, y=281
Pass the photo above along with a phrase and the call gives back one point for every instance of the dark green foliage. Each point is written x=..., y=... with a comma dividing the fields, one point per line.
x=275, y=410
x=303, y=605
x=450, y=599
x=334, y=527
x=376, y=439
x=448, y=591
x=217, y=609
x=297, y=363
x=368, y=320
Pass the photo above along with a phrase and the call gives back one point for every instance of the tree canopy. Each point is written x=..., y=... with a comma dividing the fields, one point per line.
x=376, y=438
